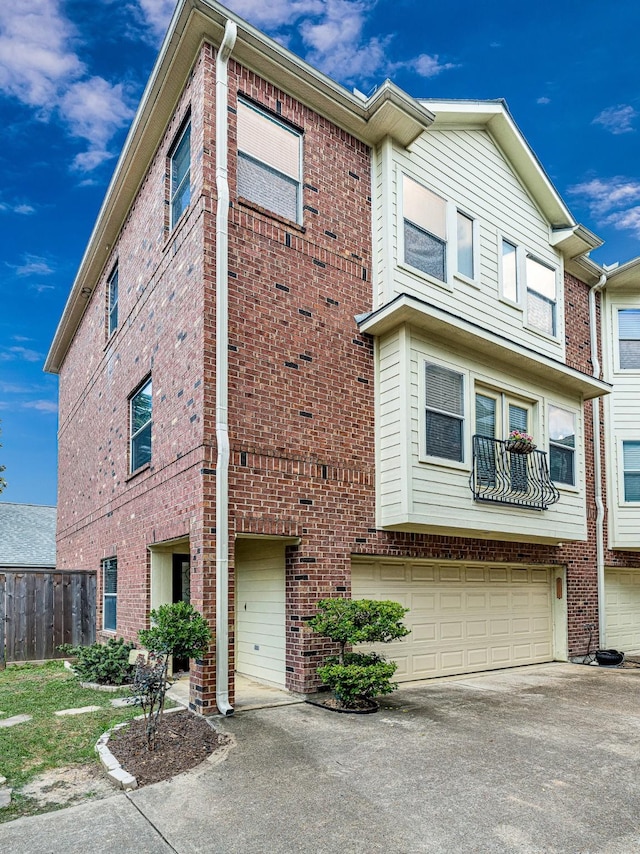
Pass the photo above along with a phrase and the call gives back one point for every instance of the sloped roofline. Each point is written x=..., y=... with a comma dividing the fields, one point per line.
x=388, y=112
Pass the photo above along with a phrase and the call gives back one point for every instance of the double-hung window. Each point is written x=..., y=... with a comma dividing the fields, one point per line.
x=629, y=338
x=112, y=310
x=496, y=416
x=109, y=594
x=541, y=296
x=269, y=162
x=140, y=419
x=562, y=445
x=444, y=403
x=425, y=229
x=180, y=160
x=631, y=464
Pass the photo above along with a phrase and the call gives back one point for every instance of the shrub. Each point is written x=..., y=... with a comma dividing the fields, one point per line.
x=178, y=630
x=106, y=664
x=353, y=677
x=361, y=677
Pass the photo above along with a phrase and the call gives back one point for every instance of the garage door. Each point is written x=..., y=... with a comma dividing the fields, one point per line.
x=622, y=609
x=260, y=637
x=463, y=617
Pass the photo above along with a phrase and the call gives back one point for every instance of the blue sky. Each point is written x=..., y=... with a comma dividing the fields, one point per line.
x=72, y=71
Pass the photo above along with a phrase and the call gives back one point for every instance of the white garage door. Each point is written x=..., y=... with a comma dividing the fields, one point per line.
x=463, y=617
x=622, y=609
x=260, y=635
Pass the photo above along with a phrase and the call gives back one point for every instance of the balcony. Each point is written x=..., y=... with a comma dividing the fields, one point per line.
x=501, y=476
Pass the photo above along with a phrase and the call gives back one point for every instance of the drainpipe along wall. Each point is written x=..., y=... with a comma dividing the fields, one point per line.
x=597, y=467
x=222, y=373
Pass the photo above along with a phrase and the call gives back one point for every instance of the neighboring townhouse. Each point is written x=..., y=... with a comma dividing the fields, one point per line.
x=302, y=330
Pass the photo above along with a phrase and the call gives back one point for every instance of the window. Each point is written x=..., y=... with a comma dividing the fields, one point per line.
x=269, y=162
x=465, y=245
x=109, y=594
x=562, y=443
x=180, y=158
x=541, y=296
x=444, y=412
x=140, y=420
x=631, y=457
x=496, y=416
x=629, y=337
x=425, y=233
x=112, y=286
x=510, y=284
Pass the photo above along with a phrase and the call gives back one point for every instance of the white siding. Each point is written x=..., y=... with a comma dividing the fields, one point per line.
x=468, y=169
x=622, y=419
x=437, y=496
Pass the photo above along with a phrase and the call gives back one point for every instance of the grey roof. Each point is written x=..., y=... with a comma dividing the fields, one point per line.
x=27, y=535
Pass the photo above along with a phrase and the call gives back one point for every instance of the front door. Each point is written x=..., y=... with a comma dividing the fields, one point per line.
x=181, y=592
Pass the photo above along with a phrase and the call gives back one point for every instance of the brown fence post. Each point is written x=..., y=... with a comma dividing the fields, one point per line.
x=3, y=661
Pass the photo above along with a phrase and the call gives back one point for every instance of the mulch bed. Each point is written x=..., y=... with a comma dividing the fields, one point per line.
x=183, y=741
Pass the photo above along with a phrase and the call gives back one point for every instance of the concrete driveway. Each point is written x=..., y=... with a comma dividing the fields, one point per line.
x=536, y=759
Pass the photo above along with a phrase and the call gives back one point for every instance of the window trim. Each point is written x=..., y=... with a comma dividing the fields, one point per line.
x=520, y=273
x=185, y=126
x=105, y=564
x=452, y=209
x=293, y=129
x=554, y=303
x=623, y=501
x=425, y=457
x=132, y=436
x=617, y=364
x=522, y=302
x=112, y=307
x=577, y=424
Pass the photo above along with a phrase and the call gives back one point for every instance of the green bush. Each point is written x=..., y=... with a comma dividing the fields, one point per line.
x=106, y=664
x=177, y=630
x=361, y=677
x=354, y=677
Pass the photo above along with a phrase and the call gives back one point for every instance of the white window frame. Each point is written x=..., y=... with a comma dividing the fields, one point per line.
x=623, y=502
x=520, y=273
x=174, y=195
x=522, y=302
x=618, y=366
x=109, y=563
x=267, y=116
x=133, y=435
x=554, y=335
x=450, y=239
x=112, y=305
x=568, y=487
x=463, y=464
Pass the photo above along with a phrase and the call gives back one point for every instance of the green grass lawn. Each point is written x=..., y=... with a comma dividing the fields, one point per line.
x=48, y=741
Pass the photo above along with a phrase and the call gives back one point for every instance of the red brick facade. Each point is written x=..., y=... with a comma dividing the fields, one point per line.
x=301, y=390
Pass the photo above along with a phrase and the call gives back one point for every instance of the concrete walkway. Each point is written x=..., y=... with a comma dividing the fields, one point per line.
x=531, y=760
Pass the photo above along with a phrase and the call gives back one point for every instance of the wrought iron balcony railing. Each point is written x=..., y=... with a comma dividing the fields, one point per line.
x=506, y=477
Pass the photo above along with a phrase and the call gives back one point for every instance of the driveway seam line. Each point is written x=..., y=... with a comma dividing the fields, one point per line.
x=148, y=820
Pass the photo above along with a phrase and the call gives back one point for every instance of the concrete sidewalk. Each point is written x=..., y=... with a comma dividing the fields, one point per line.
x=530, y=760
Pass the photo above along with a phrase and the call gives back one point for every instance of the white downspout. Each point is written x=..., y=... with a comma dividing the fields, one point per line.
x=597, y=467
x=222, y=373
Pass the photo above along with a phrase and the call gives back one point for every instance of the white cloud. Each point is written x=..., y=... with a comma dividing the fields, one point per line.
x=23, y=353
x=47, y=406
x=40, y=68
x=33, y=266
x=429, y=66
x=617, y=120
x=157, y=14
x=613, y=201
x=22, y=208
x=543, y=100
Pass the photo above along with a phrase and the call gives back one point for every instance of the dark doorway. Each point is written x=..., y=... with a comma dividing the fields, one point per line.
x=181, y=592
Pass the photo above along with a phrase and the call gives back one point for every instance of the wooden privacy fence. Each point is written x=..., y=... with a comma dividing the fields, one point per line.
x=40, y=609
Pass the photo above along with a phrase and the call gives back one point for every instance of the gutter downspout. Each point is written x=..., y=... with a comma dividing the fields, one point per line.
x=222, y=373
x=597, y=466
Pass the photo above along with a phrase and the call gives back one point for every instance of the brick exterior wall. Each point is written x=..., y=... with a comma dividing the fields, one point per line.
x=301, y=390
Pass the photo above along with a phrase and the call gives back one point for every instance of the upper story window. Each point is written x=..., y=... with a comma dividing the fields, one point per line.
x=631, y=463
x=269, y=162
x=140, y=420
x=180, y=159
x=444, y=399
x=541, y=296
x=510, y=283
x=110, y=594
x=438, y=237
x=629, y=338
x=562, y=444
x=112, y=308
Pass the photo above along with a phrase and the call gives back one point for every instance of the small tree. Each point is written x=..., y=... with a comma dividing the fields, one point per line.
x=177, y=630
x=356, y=678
